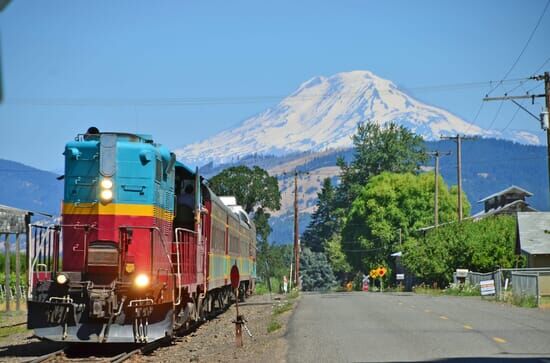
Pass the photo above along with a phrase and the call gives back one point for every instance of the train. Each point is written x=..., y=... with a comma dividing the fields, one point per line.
x=143, y=248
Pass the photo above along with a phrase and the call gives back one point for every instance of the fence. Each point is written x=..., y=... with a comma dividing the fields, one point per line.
x=521, y=282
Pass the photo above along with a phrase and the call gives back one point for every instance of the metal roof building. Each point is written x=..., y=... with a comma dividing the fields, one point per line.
x=508, y=201
x=533, y=238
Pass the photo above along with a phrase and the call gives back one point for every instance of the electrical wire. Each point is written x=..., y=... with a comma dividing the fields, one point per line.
x=542, y=66
x=523, y=49
x=512, y=119
x=496, y=114
x=226, y=100
x=470, y=124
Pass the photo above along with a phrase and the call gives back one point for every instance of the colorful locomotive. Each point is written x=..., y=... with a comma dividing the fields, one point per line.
x=144, y=247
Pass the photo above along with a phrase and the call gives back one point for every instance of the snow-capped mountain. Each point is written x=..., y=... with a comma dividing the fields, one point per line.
x=323, y=114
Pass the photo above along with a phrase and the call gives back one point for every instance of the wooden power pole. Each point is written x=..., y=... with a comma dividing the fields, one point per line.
x=458, y=138
x=437, y=155
x=296, y=275
x=296, y=233
x=542, y=118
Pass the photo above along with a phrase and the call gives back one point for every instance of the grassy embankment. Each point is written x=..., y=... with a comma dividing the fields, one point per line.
x=281, y=308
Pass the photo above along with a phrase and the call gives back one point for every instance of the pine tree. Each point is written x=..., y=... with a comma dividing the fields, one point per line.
x=323, y=222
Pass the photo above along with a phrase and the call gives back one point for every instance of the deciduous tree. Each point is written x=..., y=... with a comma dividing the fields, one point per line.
x=388, y=203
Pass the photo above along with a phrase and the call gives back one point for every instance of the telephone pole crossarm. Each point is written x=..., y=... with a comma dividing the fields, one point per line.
x=504, y=98
x=544, y=116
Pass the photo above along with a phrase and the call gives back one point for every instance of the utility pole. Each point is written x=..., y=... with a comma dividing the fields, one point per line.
x=296, y=232
x=437, y=154
x=458, y=138
x=544, y=123
x=295, y=276
x=542, y=118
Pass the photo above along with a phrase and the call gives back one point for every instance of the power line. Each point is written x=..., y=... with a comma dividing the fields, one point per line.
x=496, y=115
x=512, y=119
x=542, y=66
x=502, y=162
x=475, y=117
x=524, y=47
x=226, y=100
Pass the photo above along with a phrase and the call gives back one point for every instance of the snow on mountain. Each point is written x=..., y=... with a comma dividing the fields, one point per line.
x=323, y=114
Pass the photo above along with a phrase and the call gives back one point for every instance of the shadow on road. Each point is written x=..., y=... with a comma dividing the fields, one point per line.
x=487, y=360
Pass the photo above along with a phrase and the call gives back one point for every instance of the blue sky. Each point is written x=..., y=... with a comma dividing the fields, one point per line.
x=117, y=65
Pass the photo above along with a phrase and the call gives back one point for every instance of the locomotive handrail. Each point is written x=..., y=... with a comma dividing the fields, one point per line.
x=184, y=230
x=34, y=259
x=178, y=242
x=178, y=301
x=153, y=228
x=77, y=205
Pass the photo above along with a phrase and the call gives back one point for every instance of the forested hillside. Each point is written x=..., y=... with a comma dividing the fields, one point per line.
x=488, y=166
x=29, y=188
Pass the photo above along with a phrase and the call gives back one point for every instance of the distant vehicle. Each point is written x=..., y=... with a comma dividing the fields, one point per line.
x=144, y=247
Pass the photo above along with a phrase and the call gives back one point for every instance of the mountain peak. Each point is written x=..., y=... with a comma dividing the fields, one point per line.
x=323, y=113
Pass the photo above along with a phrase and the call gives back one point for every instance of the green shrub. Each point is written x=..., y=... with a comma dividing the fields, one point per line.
x=524, y=301
x=463, y=290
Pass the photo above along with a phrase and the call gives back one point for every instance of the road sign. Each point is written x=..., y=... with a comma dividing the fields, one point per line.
x=462, y=272
x=487, y=287
x=235, y=277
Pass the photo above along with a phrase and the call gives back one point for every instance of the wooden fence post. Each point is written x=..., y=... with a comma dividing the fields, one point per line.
x=17, y=272
x=7, y=270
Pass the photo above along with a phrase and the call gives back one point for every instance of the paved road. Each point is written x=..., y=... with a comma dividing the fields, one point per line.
x=392, y=327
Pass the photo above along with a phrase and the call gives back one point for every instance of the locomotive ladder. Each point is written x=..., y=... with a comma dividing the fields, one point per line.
x=184, y=237
x=42, y=253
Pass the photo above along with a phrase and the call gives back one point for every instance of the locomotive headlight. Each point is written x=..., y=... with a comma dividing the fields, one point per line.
x=141, y=280
x=62, y=279
x=106, y=195
x=107, y=183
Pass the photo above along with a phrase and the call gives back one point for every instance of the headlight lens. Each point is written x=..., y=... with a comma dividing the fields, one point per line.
x=106, y=183
x=106, y=195
x=142, y=280
x=62, y=279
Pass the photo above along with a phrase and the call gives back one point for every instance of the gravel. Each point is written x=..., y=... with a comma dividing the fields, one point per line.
x=213, y=341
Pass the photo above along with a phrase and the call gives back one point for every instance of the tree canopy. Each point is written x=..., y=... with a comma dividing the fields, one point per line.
x=391, y=148
x=253, y=188
x=480, y=246
x=390, y=203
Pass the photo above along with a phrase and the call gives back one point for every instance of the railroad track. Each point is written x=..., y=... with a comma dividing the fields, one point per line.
x=118, y=357
x=66, y=355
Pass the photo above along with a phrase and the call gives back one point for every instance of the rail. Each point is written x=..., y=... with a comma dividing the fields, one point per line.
x=91, y=356
x=37, y=250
